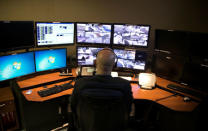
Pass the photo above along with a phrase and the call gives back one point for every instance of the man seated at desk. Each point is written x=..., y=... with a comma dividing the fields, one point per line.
x=104, y=64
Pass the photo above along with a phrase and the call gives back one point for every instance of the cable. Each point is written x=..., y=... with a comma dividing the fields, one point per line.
x=165, y=97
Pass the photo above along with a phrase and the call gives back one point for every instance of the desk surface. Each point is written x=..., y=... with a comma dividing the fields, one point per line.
x=173, y=102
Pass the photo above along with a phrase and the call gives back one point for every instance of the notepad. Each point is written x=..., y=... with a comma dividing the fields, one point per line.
x=126, y=78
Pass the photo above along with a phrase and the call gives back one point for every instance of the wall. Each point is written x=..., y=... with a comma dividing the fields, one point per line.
x=189, y=15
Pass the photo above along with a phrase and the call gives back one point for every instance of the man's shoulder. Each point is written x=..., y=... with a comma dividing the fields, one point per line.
x=109, y=79
x=121, y=80
x=84, y=79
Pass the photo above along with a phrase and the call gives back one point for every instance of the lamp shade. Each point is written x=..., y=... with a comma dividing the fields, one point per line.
x=147, y=80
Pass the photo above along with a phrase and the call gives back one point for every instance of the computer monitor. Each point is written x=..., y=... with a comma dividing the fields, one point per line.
x=16, y=35
x=86, y=55
x=93, y=33
x=198, y=45
x=131, y=35
x=16, y=65
x=195, y=76
x=168, y=66
x=130, y=59
x=50, y=59
x=54, y=33
x=171, y=42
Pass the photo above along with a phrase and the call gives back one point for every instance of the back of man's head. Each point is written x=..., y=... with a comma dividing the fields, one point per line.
x=105, y=61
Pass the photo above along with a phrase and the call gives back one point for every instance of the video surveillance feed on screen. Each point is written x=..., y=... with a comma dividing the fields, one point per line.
x=130, y=59
x=93, y=33
x=87, y=55
x=131, y=35
x=55, y=33
x=16, y=65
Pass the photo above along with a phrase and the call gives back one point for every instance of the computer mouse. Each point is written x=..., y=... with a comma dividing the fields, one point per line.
x=186, y=99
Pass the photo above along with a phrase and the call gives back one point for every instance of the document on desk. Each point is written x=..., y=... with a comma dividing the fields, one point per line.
x=126, y=78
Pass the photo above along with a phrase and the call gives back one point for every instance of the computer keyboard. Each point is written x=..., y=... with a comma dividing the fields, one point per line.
x=54, y=90
x=185, y=90
x=127, y=74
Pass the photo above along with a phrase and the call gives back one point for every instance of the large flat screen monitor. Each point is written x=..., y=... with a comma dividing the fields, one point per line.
x=49, y=33
x=131, y=35
x=168, y=66
x=198, y=45
x=16, y=65
x=86, y=55
x=50, y=59
x=194, y=75
x=172, y=42
x=16, y=35
x=93, y=33
x=130, y=59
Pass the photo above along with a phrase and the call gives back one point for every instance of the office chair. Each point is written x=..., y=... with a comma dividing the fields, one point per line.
x=101, y=110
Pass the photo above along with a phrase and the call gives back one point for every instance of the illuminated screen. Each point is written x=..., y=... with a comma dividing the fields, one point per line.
x=87, y=55
x=93, y=33
x=130, y=59
x=16, y=65
x=131, y=35
x=50, y=59
x=55, y=33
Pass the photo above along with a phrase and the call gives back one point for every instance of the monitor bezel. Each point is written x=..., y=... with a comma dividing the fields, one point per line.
x=32, y=45
x=123, y=69
x=130, y=46
x=90, y=43
x=52, y=22
x=25, y=74
x=93, y=65
x=51, y=70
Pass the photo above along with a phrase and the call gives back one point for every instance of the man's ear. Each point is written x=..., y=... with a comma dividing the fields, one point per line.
x=94, y=63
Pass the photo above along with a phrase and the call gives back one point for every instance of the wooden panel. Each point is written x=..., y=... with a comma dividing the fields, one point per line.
x=6, y=94
x=8, y=113
x=7, y=106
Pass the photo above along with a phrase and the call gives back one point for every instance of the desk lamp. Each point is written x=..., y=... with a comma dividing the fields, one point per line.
x=147, y=80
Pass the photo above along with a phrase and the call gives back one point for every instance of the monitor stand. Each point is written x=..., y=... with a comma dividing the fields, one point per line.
x=66, y=73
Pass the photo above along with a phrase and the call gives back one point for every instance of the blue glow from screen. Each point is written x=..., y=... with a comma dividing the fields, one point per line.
x=50, y=59
x=16, y=65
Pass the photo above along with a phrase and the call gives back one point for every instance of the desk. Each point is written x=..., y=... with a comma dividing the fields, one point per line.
x=8, y=110
x=175, y=102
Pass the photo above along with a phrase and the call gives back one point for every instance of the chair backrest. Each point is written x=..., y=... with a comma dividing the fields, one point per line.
x=101, y=110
